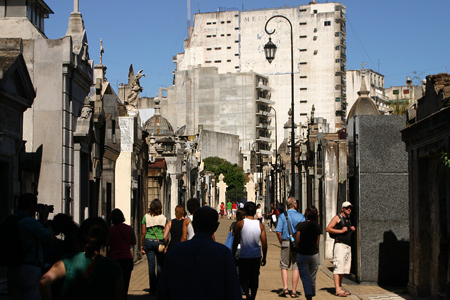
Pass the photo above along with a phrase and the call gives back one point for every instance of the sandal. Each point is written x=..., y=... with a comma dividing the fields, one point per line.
x=294, y=295
x=283, y=293
x=341, y=295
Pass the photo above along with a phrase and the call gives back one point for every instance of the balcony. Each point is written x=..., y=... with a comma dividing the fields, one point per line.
x=265, y=101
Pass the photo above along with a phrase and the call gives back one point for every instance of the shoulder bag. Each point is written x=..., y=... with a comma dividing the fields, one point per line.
x=294, y=246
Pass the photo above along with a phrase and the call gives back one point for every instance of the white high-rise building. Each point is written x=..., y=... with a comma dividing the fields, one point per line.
x=233, y=42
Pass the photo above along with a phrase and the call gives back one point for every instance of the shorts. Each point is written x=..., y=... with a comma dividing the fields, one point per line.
x=288, y=258
x=342, y=258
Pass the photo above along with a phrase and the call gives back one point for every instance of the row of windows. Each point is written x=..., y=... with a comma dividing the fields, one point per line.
x=217, y=48
x=216, y=61
x=214, y=35
x=221, y=22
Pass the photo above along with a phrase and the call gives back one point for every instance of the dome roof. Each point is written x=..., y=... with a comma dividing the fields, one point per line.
x=364, y=105
x=158, y=126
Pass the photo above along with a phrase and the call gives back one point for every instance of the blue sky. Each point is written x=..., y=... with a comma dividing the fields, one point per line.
x=394, y=37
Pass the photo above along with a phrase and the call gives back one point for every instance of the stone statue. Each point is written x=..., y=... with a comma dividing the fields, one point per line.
x=135, y=87
x=86, y=111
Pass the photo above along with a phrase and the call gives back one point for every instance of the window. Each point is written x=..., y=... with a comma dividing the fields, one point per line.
x=316, y=51
x=315, y=29
x=228, y=34
x=237, y=41
x=303, y=76
x=236, y=28
x=237, y=54
x=228, y=60
x=208, y=49
x=315, y=11
x=222, y=22
x=236, y=67
x=208, y=36
x=303, y=50
x=208, y=23
x=217, y=61
x=228, y=47
x=303, y=114
x=315, y=37
x=222, y=35
x=327, y=23
x=303, y=36
x=303, y=89
x=303, y=62
x=217, y=48
x=208, y=62
x=228, y=22
x=303, y=101
x=303, y=10
x=338, y=99
x=302, y=23
x=338, y=60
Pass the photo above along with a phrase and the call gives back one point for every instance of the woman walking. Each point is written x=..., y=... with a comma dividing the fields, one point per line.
x=153, y=224
x=122, y=238
x=307, y=237
x=175, y=228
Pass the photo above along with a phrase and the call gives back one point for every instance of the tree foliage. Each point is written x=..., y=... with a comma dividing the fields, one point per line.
x=234, y=175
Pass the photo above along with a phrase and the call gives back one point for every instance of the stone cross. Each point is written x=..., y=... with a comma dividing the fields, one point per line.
x=363, y=64
x=250, y=186
x=222, y=186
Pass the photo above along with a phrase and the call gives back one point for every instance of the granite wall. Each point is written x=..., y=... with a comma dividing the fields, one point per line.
x=379, y=193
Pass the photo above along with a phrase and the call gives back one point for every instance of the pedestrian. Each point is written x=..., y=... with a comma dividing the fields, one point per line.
x=87, y=275
x=241, y=205
x=341, y=228
x=259, y=213
x=273, y=216
x=229, y=213
x=233, y=209
x=222, y=210
x=153, y=224
x=23, y=279
x=122, y=238
x=175, y=228
x=200, y=268
x=307, y=238
x=188, y=230
x=288, y=257
x=250, y=233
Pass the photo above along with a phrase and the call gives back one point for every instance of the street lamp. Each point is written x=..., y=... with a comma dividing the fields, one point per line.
x=270, y=50
x=276, y=153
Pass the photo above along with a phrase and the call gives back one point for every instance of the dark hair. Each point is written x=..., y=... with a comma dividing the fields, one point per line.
x=26, y=201
x=155, y=208
x=250, y=209
x=179, y=212
x=93, y=235
x=311, y=214
x=63, y=223
x=117, y=216
x=205, y=220
x=240, y=214
x=192, y=205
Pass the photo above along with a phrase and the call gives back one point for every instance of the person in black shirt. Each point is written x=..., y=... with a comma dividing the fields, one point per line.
x=341, y=228
x=307, y=237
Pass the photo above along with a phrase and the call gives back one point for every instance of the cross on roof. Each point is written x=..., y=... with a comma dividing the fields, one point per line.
x=363, y=64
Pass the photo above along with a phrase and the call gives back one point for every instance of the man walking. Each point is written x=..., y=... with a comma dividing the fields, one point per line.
x=200, y=268
x=288, y=257
x=341, y=228
x=229, y=214
x=251, y=235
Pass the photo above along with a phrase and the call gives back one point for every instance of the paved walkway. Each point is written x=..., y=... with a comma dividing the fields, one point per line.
x=270, y=278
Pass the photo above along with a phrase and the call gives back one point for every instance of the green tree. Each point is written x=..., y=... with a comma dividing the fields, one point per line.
x=234, y=176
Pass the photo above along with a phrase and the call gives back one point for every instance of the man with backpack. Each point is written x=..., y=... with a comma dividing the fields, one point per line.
x=25, y=272
x=341, y=229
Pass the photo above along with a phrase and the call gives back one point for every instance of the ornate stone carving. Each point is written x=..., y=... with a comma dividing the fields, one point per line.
x=135, y=88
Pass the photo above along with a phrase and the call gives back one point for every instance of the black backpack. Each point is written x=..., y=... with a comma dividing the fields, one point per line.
x=12, y=252
x=332, y=235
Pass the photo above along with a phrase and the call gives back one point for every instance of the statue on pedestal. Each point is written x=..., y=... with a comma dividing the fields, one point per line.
x=135, y=88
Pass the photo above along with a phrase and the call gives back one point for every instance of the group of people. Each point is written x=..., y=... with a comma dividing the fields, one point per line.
x=74, y=267
x=299, y=237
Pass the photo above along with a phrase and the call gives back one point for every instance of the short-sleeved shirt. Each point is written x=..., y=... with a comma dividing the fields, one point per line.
x=120, y=241
x=228, y=205
x=156, y=223
x=98, y=285
x=309, y=232
x=294, y=218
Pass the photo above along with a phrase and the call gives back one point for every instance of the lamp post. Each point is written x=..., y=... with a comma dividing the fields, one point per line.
x=269, y=50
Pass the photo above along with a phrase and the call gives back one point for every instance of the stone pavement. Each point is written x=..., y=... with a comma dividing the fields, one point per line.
x=270, y=278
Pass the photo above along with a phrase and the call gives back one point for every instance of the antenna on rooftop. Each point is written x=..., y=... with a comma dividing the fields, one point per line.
x=188, y=15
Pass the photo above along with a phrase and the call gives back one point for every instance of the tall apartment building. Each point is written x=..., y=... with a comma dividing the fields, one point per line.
x=233, y=42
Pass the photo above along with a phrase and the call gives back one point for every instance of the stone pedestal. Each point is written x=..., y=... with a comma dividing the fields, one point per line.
x=222, y=186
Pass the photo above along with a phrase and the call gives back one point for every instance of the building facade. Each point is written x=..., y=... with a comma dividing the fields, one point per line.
x=233, y=42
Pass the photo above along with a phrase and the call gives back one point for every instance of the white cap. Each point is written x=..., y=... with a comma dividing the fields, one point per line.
x=346, y=204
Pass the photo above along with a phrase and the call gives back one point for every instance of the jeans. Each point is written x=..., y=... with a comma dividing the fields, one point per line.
x=23, y=282
x=308, y=266
x=155, y=260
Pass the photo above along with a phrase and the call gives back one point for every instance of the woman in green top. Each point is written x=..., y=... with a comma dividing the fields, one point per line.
x=153, y=224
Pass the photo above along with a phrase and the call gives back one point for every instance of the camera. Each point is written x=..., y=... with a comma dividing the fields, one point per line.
x=40, y=206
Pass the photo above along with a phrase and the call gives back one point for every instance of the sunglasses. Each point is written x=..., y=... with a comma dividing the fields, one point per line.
x=348, y=207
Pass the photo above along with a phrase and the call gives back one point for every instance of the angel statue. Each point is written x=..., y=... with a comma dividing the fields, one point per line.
x=135, y=87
